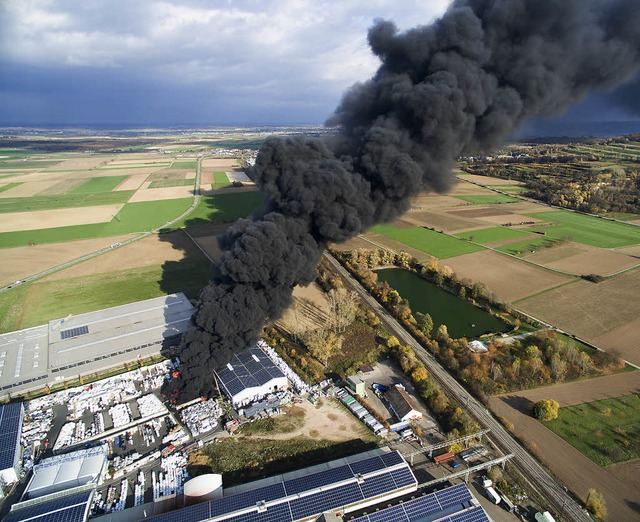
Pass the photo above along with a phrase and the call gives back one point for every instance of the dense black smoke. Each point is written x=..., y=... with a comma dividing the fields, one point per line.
x=459, y=85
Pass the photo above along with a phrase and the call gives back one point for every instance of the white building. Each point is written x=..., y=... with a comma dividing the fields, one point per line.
x=67, y=471
x=478, y=347
x=250, y=376
x=401, y=404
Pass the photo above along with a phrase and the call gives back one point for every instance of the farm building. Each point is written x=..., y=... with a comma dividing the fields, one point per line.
x=478, y=347
x=401, y=404
x=72, y=505
x=91, y=342
x=67, y=471
x=343, y=486
x=10, y=428
x=250, y=376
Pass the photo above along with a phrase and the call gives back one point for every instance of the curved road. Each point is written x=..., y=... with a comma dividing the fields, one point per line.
x=196, y=200
x=547, y=486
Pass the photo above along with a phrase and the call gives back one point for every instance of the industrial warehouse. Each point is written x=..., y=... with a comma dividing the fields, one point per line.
x=82, y=344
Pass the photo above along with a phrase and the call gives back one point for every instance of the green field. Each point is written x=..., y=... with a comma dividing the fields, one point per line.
x=221, y=180
x=37, y=303
x=164, y=183
x=34, y=203
x=222, y=208
x=489, y=199
x=100, y=184
x=606, y=431
x=588, y=229
x=132, y=218
x=523, y=247
x=491, y=235
x=188, y=164
x=428, y=241
x=10, y=186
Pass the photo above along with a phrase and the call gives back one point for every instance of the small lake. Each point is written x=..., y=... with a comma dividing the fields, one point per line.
x=462, y=318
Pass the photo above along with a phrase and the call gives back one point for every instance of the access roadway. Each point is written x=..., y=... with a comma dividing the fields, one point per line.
x=538, y=477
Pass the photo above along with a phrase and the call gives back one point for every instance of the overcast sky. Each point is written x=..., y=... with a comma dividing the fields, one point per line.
x=201, y=62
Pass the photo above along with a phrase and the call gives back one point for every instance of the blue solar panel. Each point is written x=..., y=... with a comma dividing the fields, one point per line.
x=317, y=480
x=74, y=332
x=188, y=514
x=454, y=495
x=10, y=418
x=63, y=509
x=277, y=513
x=403, y=477
x=247, y=499
x=391, y=459
x=422, y=507
x=394, y=514
x=248, y=372
x=476, y=514
x=323, y=501
x=378, y=485
x=368, y=465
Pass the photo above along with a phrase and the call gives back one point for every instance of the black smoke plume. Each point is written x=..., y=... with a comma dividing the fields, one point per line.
x=457, y=86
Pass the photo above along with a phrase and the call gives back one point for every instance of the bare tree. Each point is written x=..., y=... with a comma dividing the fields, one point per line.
x=323, y=345
x=342, y=308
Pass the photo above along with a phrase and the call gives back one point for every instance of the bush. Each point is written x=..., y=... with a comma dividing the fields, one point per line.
x=546, y=410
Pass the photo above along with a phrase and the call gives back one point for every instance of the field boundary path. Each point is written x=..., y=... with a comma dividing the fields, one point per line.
x=539, y=478
x=91, y=255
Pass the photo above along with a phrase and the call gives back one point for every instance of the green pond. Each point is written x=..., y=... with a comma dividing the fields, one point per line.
x=462, y=318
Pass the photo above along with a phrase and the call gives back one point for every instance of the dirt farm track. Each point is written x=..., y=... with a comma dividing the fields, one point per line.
x=620, y=484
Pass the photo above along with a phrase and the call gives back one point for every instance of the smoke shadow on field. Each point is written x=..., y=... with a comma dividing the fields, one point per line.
x=188, y=275
x=517, y=402
x=633, y=505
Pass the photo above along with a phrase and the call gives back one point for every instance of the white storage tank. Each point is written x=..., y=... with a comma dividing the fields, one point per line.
x=202, y=488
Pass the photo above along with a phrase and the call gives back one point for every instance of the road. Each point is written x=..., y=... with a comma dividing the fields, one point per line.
x=142, y=235
x=539, y=478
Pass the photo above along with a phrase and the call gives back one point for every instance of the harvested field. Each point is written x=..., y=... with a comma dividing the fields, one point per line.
x=353, y=244
x=310, y=308
x=29, y=189
x=506, y=277
x=153, y=250
x=84, y=162
x=119, y=171
x=593, y=311
x=623, y=340
x=63, y=187
x=165, y=174
x=481, y=212
x=162, y=193
x=21, y=262
x=487, y=180
x=431, y=202
x=132, y=182
x=220, y=164
x=61, y=217
x=446, y=221
x=630, y=251
x=583, y=259
x=586, y=390
x=206, y=178
x=570, y=466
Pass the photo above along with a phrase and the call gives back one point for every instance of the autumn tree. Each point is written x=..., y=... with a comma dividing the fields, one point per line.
x=546, y=410
x=596, y=504
x=322, y=345
x=342, y=308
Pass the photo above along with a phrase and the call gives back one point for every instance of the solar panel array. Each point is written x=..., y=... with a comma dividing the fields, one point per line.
x=308, y=495
x=248, y=372
x=71, y=508
x=452, y=503
x=10, y=417
x=74, y=332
